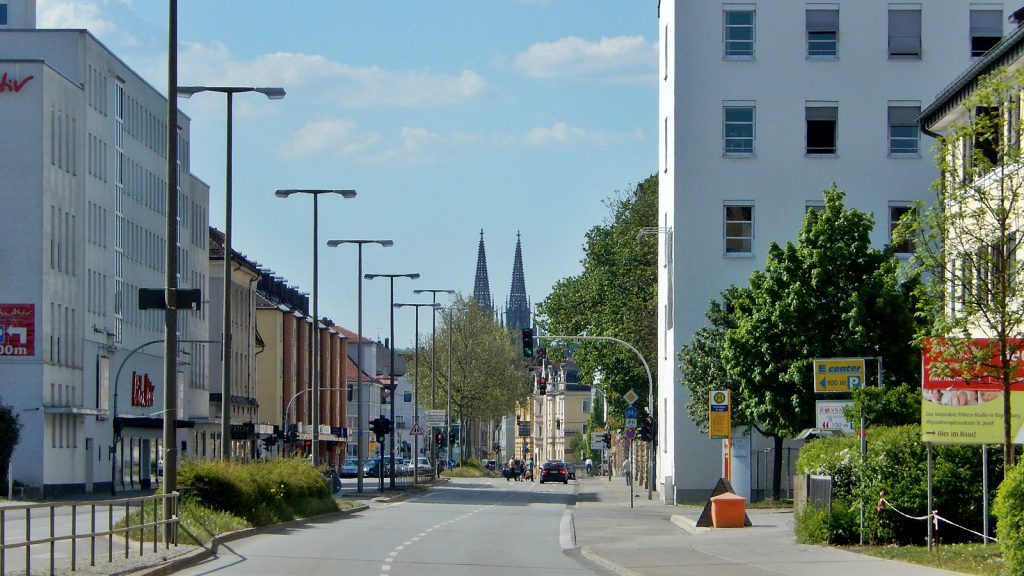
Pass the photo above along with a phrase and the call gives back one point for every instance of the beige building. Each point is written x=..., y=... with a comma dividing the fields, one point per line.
x=560, y=414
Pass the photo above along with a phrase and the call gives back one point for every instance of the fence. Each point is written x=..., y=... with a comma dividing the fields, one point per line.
x=812, y=491
x=63, y=535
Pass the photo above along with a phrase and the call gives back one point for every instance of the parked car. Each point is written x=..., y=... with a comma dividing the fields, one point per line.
x=423, y=465
x=489, y=464
x=571, y=469
x=349, y=468
x=554, y=471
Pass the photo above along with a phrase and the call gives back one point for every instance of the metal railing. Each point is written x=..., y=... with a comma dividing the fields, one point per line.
x=64, y=533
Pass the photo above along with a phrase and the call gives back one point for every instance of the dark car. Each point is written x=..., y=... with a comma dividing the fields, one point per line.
x=571, y=469
x=554, y=471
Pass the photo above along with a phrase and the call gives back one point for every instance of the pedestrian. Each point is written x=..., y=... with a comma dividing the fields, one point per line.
x=627, y=471
x=590, y=466
x=529, y=469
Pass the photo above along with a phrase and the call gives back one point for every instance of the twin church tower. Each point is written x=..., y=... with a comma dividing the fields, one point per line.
x=517, y=307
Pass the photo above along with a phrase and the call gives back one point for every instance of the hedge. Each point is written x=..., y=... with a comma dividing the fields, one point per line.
x=1009, y=509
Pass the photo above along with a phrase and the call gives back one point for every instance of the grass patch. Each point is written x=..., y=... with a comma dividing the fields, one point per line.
x=469, y=469
x=970, y=558
x=769, y=504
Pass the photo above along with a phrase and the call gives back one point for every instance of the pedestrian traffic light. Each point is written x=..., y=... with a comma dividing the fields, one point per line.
x=527, y=343
x=607, y=440
x=646, y=430
x=542, y=385
x=293, y=434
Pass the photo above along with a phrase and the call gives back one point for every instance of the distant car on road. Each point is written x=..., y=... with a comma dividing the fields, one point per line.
x=423, y=465
x=349, y=468
x=554, y=471
x=571, y=469
x=489, y=464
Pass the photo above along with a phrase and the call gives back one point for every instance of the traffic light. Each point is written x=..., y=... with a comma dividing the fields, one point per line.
x=542, y=385
x=293, y=434
x=607, y=440
x=439, y=439
x=379, y=427
x=527, y=343
x=646, y=430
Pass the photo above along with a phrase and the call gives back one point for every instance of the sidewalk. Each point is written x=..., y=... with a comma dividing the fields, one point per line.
x=654, y=539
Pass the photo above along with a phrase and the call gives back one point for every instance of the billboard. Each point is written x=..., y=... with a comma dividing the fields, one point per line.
x=18, y=330
x=962, y=405
x=838, y=374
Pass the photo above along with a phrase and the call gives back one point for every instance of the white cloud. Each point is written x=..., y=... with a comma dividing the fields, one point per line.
x=617, y=59
x=346, y=85
x=560, y=134
x=92, y=15
x=337, y=136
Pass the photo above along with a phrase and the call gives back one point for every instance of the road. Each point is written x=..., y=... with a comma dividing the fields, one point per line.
x=466, y=527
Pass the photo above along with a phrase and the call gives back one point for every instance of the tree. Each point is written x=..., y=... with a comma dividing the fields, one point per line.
x=488, y=373
x=615, y=295
x=969, y=241
x=830, y=295
x=10, y=433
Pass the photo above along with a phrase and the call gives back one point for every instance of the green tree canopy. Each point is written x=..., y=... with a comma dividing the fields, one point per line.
x=615, y=295
x=831, y=295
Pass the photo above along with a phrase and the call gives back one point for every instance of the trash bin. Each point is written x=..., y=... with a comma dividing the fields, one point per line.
x=728, y=510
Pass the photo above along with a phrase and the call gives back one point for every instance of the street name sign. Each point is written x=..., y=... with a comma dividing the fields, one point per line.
x=435, y=418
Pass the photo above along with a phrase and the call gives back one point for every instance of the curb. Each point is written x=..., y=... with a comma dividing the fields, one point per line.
x=206, y=552
x=596, y=558
x=688, y=524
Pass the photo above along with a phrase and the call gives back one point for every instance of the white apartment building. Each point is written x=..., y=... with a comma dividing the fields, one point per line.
x=82, y=209
x=763, y=105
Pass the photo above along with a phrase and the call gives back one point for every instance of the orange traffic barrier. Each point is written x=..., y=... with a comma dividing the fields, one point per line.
x=728, y=510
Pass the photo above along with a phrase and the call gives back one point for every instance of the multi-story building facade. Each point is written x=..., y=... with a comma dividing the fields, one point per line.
x=84, y=198
x=763, y=105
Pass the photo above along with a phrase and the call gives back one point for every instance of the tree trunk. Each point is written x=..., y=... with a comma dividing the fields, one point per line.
x=777, y=468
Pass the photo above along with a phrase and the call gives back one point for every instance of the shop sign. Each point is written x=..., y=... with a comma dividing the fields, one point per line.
x=142, y=390
x=8, y=84
x=17, y=329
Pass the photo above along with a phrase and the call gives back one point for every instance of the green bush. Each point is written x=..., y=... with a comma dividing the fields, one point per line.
x=260, y=492
x=897, y=464
x=1009, y=509
x=818, y=526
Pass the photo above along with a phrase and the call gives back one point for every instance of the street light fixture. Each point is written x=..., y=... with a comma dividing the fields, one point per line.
x=225, y=387
x=394, y=386
x=433, y=377
x=359, y=351
x=416, y=386
x=315, y=383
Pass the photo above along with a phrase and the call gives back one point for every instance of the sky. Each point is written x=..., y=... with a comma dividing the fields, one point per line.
x=448, y=117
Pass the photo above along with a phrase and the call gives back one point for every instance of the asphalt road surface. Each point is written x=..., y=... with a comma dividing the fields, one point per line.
x=467, y=527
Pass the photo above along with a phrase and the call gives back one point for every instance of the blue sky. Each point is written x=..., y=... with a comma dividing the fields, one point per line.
x=448, y=117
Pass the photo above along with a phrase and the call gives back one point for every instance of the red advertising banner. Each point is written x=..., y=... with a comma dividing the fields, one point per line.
x=17, y=329
x=940, y=372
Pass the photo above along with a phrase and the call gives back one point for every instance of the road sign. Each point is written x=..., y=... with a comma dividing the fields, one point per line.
x=630, y=433
x=435, y=418
x=597, y=441
x=838, y=374
x=719, y=414
x=630, y=397
x=631, y=412
x=416, y=430
x=630, y=423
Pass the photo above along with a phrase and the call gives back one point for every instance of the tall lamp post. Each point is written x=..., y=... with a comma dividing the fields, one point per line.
x=433, y=373
x=448, y=411
x=393, y=385
x=225, y=395
x=669, y=269
x=360, y=402
x=416, y=386
x=315, y=381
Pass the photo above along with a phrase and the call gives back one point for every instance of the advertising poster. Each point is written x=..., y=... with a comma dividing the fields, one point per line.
x=17, y=329
x=960, y=406
x=829, y=415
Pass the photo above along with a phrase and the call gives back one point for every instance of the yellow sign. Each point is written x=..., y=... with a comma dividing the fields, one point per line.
x=972, y=417
x=719, y=414
x=838, y=374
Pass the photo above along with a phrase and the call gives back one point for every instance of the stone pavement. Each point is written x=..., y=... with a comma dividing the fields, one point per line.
x=654, y=539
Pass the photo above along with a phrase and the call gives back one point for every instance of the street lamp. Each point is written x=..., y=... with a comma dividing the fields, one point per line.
x=433, y=377
x=416, y=386
x=394, y=386
x=359, y=351
x=315, y=383
x=225, y=388
x=448, y=412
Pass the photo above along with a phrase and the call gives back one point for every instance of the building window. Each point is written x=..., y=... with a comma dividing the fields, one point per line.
x=903, y=131
x=739, y=229
x=986, y=30
x=407, y=397
x=3, y=14
x=739, y=33
x=895, y=213
x=821, y=129
x=823, y=34
x=738, y=130
x=905, y=33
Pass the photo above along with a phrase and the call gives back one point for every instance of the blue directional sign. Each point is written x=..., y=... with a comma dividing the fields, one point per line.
x=631, y=412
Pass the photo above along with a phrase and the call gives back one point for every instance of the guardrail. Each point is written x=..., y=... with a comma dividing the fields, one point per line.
x=64, y=532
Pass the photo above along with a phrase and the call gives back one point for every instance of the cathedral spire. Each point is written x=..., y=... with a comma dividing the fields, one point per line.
x=517, y=310
x=482, y=285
